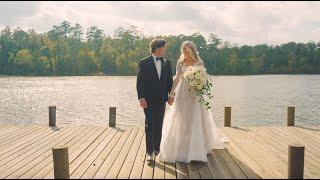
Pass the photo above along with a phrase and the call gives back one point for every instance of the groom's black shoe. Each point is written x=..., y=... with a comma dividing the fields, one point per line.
x=156, y=152
x=149, y=158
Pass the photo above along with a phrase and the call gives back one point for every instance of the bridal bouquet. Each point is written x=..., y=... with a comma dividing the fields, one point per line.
x=199, y=83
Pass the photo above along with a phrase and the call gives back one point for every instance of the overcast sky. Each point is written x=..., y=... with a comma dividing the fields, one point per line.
x=237, y=22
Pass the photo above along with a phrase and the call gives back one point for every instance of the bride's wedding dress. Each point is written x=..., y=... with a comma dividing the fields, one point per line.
x=189, y=132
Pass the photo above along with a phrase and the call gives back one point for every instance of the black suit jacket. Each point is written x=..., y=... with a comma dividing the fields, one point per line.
x=149, y=86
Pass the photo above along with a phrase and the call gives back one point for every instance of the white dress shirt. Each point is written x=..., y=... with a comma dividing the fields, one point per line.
x=158, y=65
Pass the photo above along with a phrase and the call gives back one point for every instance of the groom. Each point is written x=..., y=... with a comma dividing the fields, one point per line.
x=154, y=82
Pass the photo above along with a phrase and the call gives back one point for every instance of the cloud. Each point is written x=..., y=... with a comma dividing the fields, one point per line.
x=10, y=12
x=236, y=22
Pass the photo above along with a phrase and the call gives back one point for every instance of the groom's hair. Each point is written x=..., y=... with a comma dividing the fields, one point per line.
x=156, y=44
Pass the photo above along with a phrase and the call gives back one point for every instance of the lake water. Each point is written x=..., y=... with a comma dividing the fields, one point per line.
x=255, y=100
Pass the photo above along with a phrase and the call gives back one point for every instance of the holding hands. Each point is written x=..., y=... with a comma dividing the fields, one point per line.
x=171, y=100
x=143, y=103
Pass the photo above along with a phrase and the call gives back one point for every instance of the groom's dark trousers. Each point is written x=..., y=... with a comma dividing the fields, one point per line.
x=153, y=126
x=155, y=91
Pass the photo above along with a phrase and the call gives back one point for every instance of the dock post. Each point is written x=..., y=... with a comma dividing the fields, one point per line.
x=52, y=116
x=291, y=115
x=296, y=161
x=61, y=163
x=112, y=116
x=227, y=116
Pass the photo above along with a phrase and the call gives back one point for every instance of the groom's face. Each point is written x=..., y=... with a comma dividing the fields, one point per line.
x=162, y=51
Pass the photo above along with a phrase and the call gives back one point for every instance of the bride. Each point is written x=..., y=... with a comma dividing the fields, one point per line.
x=189, y=132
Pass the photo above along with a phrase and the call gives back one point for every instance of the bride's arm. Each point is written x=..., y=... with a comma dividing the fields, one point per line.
x=176, y=79
x=200, y=63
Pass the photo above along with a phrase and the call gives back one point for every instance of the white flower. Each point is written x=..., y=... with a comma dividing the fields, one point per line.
x=192, y=83
x=199, y=82
x=198, y=76
x=199, y=86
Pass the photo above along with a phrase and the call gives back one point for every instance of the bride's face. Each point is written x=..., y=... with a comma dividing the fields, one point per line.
x=186, y=53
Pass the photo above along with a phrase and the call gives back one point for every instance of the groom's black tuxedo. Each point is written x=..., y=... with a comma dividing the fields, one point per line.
x=149, y=86
x=155, y=91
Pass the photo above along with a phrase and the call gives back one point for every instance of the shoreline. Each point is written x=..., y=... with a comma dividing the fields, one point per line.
x=115, y=75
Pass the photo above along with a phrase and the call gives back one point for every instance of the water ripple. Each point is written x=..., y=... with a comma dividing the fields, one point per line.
x=255, y=100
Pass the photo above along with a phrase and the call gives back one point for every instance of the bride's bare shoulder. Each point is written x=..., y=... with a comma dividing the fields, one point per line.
x=200, y=63
x=181, y=63
x=178, y=63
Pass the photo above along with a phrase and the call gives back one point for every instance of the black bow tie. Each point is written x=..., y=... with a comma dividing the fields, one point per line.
x=158, y=58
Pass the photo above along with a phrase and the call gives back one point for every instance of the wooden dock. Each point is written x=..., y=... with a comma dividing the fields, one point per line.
x=104, y=152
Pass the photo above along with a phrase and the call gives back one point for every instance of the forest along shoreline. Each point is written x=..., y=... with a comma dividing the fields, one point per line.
x=66, y=50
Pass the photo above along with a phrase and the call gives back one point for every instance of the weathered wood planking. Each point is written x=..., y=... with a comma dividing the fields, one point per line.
x=105, y=152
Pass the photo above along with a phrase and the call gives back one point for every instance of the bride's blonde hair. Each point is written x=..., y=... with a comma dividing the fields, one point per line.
x=192, y=49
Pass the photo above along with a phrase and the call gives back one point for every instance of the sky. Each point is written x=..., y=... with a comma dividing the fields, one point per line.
x=248, y=23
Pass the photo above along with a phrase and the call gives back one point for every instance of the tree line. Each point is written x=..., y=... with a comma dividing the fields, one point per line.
x=69, y=50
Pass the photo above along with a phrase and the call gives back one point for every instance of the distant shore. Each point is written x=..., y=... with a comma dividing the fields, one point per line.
x=102, y=74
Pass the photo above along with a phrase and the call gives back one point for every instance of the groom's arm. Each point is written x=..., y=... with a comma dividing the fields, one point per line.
x=140, y=82
x=170, y=78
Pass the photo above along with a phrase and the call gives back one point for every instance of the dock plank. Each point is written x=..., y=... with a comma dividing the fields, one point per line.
x=204, y=170
x=132, y=156
x=95, y=165
x=47, y=163
x=78, y=173
x=81, y=154
x=170, y=171
x=245, y=156
x=235, y=169
x=103, y=152
x=23, y=142
x=78, y=143
x=159, y=172
x=25, y=158
x=148, y=168
x=118, y=163
x=137, y=169
x=16, y=134
x=260, y=154
x=182, y=170
x=35, y=141
x=75, y=158
x=107, y=164
x=34, y=161
x=193, y=170
x=8, y=131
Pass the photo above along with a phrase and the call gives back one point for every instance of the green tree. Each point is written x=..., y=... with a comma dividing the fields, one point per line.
x=23, y=62
x=66, y=50
x=95, y=38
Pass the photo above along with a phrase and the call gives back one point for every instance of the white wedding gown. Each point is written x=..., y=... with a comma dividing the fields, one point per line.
x=189, y=132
